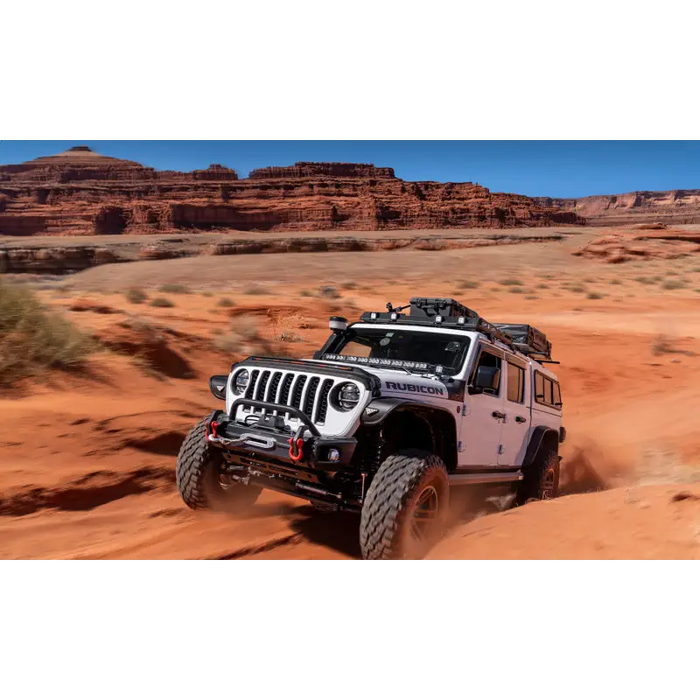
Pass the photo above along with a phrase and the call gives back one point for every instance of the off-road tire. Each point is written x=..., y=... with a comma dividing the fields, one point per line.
x=541, y=478
x=197, y=476
x=388, y=511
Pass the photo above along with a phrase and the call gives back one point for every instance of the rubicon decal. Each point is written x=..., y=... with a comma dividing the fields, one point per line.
x=415, y=388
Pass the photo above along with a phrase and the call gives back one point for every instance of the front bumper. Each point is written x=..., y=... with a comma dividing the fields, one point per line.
x=269, y=440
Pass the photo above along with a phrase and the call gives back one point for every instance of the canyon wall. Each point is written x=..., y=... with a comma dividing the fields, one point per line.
x=671, y=207
x=82, y=193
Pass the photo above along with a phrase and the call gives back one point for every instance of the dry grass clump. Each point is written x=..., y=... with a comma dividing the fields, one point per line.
x=594, y=295
x=243, y=338
x=162, y=302
x=35, y=338
x=256, y=289
x=468, y=284
x=674, y=284
x=226, y=302
x=510, y=282
x=136, y=296
x=174, y=288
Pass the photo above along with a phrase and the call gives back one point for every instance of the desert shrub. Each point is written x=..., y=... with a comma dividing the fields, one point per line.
x=174, y=288
x=225, y=301
x=674, y=284
x=531, y=297
x=511, y=283
x=644, y=280
x=329, y=292
x=594, y=295
x=257, y=289
x=615, y=281
x=207, y=293
x=305, y=293
x=136, y=296
x=517, y=290
x=468, y=284
x=34, y=337
x=577, y=288
x=162, y=302
x=243, y=338
x=349, y=285
x=542, y=286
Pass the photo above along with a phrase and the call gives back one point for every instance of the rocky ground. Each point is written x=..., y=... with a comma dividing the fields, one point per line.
x=88, y=457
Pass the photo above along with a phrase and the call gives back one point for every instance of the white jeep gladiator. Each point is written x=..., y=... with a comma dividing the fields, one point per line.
x=388, y=416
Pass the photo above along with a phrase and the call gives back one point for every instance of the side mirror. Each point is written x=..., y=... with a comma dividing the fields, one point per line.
x=217, y=384
x=487, y=378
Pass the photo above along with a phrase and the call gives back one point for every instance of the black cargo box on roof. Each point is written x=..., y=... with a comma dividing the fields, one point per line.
x=527, y=339
x=429, y=307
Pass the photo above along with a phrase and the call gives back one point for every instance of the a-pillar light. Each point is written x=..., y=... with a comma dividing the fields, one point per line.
x=338, y=324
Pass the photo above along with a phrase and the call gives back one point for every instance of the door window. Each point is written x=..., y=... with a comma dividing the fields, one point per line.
x=488, y=359
x=516, y=383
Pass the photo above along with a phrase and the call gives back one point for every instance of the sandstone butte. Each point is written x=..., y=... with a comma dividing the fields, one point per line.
x=80, y=192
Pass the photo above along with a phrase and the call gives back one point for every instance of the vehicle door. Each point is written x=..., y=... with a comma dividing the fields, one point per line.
x=515, y=430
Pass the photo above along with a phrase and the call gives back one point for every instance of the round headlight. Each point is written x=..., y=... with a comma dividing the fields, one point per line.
x=240, y=381
x=347, y=396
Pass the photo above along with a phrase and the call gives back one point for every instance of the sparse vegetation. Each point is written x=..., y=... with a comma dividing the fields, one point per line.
x=542, y=286
x=256, y=289
x=329, y=292
x=136, y=296
x=577, y=288
x=517, y=290
x=174, y=288
x=225, y=301
x=468, y=284
x=207, y=293
x=674, y=284
x=594, y=295
x=162, y=302
x=243, y=338
x=34, y=337
x=510, y=282
x=644, y=280
x=305, y=293
x=663, y=346
x=616, y=281
x=349, y=285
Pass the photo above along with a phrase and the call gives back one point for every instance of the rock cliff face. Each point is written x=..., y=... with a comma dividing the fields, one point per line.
x=672, y=207
x=82, y=193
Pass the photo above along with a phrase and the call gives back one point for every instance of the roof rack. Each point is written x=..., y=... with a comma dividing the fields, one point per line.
x=448, y=313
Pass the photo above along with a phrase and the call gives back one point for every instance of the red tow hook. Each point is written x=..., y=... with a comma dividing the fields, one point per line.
x=214, y=425
x=296, y=446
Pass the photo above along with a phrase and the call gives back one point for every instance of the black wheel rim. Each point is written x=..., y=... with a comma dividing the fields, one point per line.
x=425, y=513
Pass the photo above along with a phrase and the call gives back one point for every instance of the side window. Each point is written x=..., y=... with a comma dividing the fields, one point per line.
x=547, y=392
x=539, y=387
x=487, y=359
x=516, y=383
x=557, y=394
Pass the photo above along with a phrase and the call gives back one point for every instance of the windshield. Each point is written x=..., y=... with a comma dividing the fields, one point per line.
x=399, y=347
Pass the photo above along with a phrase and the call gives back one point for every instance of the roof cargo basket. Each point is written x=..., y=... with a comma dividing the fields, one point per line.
x=429, y=307
x=528, y=339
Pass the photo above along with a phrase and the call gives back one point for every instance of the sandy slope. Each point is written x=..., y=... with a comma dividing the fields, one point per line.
x=88, y=460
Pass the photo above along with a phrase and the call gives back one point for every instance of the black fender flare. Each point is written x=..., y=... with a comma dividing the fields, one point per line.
x=536, y=440
x=377, y=411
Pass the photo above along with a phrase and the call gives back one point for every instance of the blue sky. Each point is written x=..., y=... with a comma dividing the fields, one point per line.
x=535, y=168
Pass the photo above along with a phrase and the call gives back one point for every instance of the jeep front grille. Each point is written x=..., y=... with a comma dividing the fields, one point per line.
x=307, y=392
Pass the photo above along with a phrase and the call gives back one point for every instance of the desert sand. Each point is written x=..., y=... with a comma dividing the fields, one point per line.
x=88, y=457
